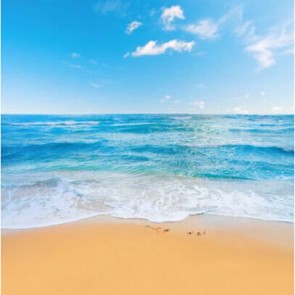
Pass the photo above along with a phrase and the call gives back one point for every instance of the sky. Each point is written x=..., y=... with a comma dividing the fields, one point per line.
x=147, y=56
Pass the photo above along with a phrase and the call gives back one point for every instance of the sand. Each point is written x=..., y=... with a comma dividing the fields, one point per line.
x=202, y=255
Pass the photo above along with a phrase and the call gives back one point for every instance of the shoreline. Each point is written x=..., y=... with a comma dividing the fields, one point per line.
x=111, y=219
x=106, y=255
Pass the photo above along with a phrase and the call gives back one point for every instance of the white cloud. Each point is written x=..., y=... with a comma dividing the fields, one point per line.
x=240, y=110
x=75, y=55
x=165, y=99
x=127, y=54
x=152, y=12
x=132, y=27
x=199, y=104
x=170, y=14
x=234, y=14
x=205, y=29
x=208, y=28
x=168, y=99
x=100, y=83
x=118, y=7
x=262, y=93
x=70, y=65
x=93, y=61
x=276, y=109
x=265, y=48
x=245, y=29
x=152, y=48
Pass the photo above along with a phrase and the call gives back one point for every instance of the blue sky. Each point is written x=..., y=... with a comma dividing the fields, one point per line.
x=147, y=56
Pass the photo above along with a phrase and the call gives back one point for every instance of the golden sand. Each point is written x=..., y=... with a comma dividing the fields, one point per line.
x=111, y=257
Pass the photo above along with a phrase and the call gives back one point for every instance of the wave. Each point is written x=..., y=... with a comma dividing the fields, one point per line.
x=63, y=145
x=131, y=124
x=156, y=167
x=160, y=149
x=267, y=161
x=263, y=148
x=271, y=129
x=181, y=117
x=246, y=148
x=51, y=151
x=54, y=123
x=72, y=196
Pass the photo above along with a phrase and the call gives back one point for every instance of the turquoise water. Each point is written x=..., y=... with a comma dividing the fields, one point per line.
x=158, y=167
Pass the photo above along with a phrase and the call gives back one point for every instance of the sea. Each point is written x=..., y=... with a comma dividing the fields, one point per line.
x=166, y=167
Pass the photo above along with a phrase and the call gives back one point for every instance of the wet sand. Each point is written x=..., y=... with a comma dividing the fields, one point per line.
x=201, y=255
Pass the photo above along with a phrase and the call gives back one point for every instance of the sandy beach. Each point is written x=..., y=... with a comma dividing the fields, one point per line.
x=201, y=255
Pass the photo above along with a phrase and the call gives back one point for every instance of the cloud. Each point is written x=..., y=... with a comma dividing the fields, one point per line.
x=127, y=54
x=245, y=29
x=264, y=48
x=240, y=110
x=118, y=7
x=95, y=85
x=132, y=27
x=276, y=109
x=168, y=99
x=165, y=99
x=152, y=12
x=93, y=62
x=152, y=48
x=169, y=15
x=205, y=29
x=199, y=104
x=208, y=28
x=75, y=55
x=70, y=65
x=234, y=14
x=100, y=83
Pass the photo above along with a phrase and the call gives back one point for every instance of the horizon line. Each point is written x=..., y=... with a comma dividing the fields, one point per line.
x=92, y=114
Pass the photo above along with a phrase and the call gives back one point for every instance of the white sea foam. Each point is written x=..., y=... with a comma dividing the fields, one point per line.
x=130, y=124
x=181, y=117
x=65, y=197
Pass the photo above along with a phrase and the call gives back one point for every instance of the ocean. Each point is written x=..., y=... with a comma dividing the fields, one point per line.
x=61, y=168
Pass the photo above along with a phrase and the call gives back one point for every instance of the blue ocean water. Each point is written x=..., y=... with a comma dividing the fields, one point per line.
x=57, y=169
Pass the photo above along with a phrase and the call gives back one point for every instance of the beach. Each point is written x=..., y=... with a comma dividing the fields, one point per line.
x=200, y=204
x=147, y=148
x=104, y=255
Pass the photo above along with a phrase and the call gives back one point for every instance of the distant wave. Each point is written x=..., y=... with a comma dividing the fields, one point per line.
x=103, y=145
x=61, y=123
x=253, y=148
x=55, y=145
x=202, y=148
x=181, y=117
x=130, y=124
x=56, y=148
x=271, y=129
